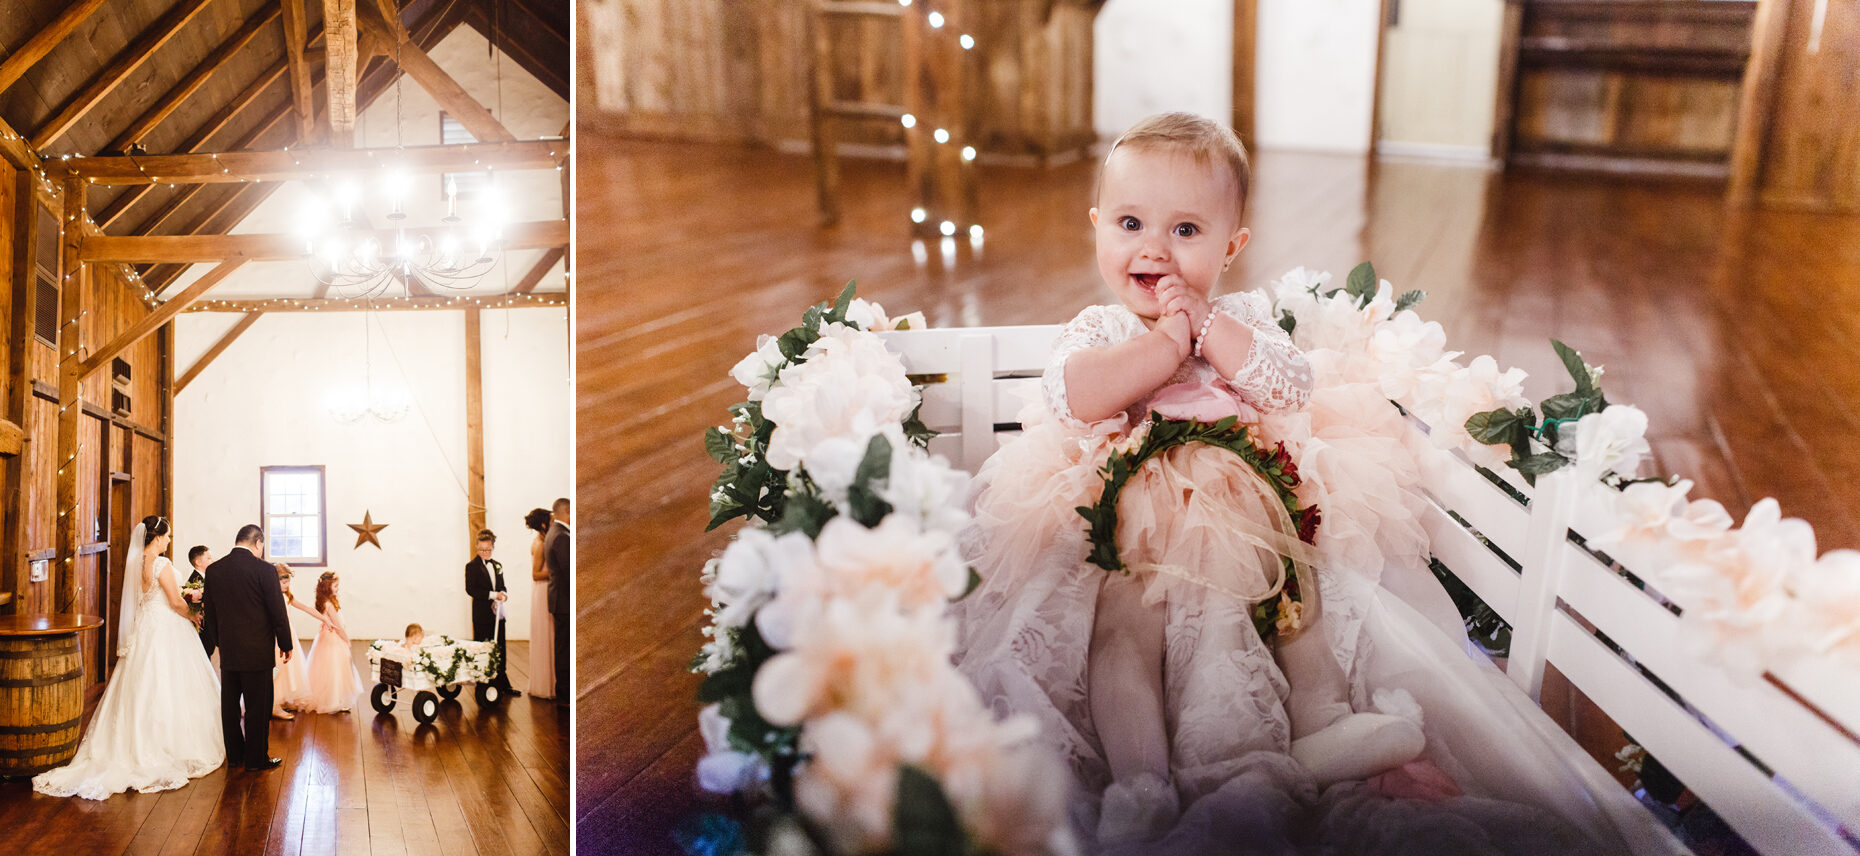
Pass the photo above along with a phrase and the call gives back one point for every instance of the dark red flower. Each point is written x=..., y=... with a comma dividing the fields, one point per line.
x=1308, y=520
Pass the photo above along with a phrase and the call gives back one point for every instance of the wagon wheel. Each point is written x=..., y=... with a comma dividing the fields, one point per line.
x=489, y=694
x=449, y=691
x=383, y=698
x=425, y=707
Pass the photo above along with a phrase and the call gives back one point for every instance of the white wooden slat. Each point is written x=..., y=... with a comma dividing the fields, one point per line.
x=1024, y=349
x=1818, y=760
x=928, y=351
x=949, y=446
x=1475, y=565
x=976, y=375
x=1829, y=686
x=1455, y=485
x=1760, y=812
x=1542, y=559
x=942, y=406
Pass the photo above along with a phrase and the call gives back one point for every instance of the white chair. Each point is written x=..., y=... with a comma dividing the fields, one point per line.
x=1777, y=758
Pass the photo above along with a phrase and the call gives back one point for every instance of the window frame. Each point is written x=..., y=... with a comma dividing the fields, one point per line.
x=264, y=513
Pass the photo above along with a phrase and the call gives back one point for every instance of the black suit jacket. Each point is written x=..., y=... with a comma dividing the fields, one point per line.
x=555, y=558
x=244, y=612
x=480, y=583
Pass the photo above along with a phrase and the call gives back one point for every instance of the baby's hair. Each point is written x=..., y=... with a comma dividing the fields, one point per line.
x=1207, y=141
x=414, y=628
x=326, y=590
x=194, y=553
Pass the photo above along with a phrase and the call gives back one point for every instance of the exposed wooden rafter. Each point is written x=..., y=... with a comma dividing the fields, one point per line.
x=296, y=38
x=383, y=304
x=219, y=347
x=194, y=80
x=16, y=150
x=119, y=69
x=44, y=40
x=340, y=70
x=414, y=60
x=538, y=270
x=238, y=167
x=536, y=235
x=151, y=322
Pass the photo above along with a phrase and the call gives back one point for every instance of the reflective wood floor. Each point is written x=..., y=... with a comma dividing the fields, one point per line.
x=1735, y=331
x=474, y=782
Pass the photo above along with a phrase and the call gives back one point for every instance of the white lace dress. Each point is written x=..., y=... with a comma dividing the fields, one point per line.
x=158, y=724
x=1026, y=630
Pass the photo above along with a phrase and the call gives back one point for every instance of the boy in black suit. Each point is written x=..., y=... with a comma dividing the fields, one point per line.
x=484, y=581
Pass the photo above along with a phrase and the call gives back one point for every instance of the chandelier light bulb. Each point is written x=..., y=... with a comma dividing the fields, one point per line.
x=968, y=153
x=909, y=121
x=917, y=215
x=968, y=42
x=975, y=232
x=949, y=228
x=936, y=20
x=942, y=136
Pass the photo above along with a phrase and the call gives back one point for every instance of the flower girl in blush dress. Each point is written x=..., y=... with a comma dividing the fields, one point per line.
x=334, y=683
x=291, y=684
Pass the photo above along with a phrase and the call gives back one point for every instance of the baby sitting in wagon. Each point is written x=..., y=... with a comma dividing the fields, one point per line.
x=432, y=667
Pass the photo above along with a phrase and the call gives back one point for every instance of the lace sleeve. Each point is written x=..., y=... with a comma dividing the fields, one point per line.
x=1091, y=328
x=1275, y=375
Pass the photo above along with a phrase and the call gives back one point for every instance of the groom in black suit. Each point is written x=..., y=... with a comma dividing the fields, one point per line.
x=243, y=616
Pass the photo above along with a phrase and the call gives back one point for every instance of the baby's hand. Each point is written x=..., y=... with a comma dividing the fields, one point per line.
x=1175, y=296
x=1175, y=326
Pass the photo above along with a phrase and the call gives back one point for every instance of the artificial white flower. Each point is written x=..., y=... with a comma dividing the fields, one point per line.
x=849, y=785
x=724, y=770
x=1613, y=440
x=1734, y=592
x=1446, y=401
x=868, y=314
x=1404, y=346
x=857, y=657
x=759, y=369
x=895, y=565
x=750, y=571
x=925, y=487
x=848, y=385
x=1827, y=597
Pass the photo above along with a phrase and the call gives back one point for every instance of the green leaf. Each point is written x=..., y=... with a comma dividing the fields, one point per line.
x=837, y=314
x=926, y=822
x=1409, y=299
x=975, y=582
x=873, y=474
x=1571, y=405
x=1288, y=322
x=794, y=342
x=1572, y=361
x=804, y=512
x=721, y=446
x=1536, y=465
x=1361, y=283
x=1493, y=427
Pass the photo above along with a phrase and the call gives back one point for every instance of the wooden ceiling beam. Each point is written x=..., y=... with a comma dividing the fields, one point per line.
x=539, y=269
x=44, y=40
x=236, y=167
x=296, y=41
x=195, y=79
x=533, y=235
x=446, y=90
x=159, y=316
x=340, y=71
x=384, y=304
x=219, y=347
x=16, y=149
x=119, y=69
x=128, y=198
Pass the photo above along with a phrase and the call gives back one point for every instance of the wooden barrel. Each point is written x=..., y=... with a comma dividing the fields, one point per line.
x=41, y=702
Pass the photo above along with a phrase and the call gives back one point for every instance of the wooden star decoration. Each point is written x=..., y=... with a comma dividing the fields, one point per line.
x=365, y=531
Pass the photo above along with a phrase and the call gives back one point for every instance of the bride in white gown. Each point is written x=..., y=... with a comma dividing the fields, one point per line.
x=158, y=724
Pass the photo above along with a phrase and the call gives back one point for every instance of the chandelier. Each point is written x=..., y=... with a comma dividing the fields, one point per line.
x=347, y=253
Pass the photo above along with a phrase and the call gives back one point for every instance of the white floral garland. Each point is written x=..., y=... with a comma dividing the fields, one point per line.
x=1756, y=596
x=850, y=604
x=467, y=661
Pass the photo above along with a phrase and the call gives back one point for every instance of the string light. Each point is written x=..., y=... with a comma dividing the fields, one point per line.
x=936, y=20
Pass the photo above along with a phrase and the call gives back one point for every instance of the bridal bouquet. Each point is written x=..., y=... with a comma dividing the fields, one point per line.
x=194, y=591
x=829, y=680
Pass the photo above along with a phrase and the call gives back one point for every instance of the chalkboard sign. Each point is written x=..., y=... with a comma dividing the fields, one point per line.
x=390, y=672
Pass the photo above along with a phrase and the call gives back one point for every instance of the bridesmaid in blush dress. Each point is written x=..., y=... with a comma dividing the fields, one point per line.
x=334, y=683
x=542, y=624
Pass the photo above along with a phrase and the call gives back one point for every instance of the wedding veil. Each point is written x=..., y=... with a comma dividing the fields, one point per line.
x=132, y=588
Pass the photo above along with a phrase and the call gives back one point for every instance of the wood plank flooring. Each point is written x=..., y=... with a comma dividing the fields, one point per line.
x=1735, y=331
x=476, y=781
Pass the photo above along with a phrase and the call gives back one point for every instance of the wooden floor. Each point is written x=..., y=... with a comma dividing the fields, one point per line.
x=474, y=782
x=1735, y=331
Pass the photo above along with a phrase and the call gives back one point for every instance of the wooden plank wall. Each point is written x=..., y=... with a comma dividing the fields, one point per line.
x=120, y=456
x=725, y=70
x=1649, y=85
x=1811, y=151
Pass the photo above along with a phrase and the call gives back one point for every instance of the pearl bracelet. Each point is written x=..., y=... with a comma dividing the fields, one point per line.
x=1203, y=335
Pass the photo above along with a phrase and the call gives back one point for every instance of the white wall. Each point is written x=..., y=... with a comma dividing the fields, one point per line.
x=1150, y=57
x=528, y=108
x=262, y=403
x=1315, y=74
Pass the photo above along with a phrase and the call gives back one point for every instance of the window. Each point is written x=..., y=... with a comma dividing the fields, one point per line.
x=291, y=504
x=467, y=184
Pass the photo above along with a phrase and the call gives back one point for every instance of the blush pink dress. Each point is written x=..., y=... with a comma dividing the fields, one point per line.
x=334, y=681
